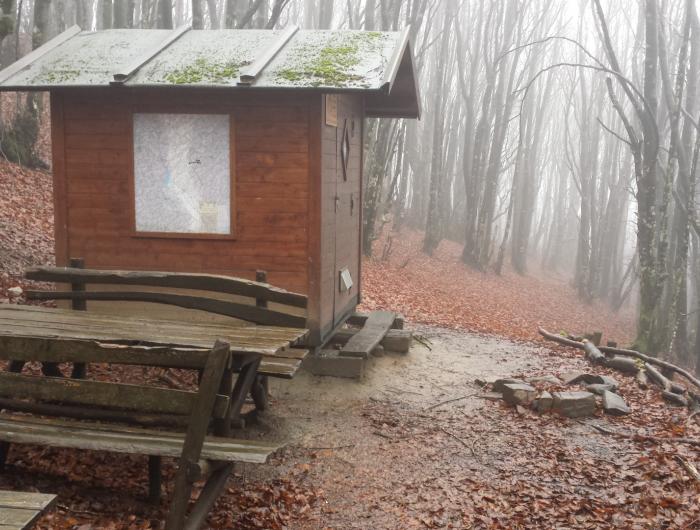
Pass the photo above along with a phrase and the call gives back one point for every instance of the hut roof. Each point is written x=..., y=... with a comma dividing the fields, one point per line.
x=378, y=64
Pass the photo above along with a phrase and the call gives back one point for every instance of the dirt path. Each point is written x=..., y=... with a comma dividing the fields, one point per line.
x=387, y=454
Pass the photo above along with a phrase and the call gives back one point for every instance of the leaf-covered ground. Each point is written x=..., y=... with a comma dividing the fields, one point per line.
x=441, y=290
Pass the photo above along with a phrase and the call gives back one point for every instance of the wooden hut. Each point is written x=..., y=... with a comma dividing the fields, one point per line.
x=219, y=151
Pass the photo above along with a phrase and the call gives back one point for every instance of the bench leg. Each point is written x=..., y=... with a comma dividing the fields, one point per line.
x=211, y=491
x=4, y=450
x=243, y=387
x=51, y=370
x=154, y=479
x=259, y=392
x=15, y=366
x=79, y=371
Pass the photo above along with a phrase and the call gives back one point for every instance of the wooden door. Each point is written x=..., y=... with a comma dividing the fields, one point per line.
x=347, y=208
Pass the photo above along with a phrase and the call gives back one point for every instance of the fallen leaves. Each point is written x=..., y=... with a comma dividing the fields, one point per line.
x=442, y=291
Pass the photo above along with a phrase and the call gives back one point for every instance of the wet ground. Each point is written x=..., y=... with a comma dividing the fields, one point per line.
x=415, y=444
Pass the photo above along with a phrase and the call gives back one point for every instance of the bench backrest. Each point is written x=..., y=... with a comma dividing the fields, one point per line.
x=111, y=401
x=261, y=292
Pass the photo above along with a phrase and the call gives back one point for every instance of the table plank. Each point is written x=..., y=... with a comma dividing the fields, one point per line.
x=61, y=323
x=22, y=499
x=19, y=510
x=189, y=329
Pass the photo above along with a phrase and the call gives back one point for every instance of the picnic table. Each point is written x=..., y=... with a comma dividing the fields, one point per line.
x=31, y=333
x=23, y=328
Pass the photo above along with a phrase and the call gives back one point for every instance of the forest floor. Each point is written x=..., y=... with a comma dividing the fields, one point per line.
x=413, y=445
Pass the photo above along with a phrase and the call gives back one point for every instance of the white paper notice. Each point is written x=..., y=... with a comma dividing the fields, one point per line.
x=182, y=173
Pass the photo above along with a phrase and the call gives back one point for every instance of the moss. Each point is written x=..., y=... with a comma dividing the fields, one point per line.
x=59, y=76
x=333, y=64
x=203, y=70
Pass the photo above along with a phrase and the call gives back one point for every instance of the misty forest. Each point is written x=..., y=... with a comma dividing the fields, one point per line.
x=537, y=228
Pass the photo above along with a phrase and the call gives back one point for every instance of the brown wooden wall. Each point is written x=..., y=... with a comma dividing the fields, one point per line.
x=93, y=168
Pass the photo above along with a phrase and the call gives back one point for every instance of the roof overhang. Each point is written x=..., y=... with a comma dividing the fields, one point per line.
x=400, y=95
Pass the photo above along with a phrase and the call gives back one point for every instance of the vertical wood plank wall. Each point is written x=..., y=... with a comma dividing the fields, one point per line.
x=340, y=230
x=94, y=165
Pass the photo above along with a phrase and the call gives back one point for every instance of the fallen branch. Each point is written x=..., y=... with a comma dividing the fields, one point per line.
x=465, y=444
x=619, y=351
x=449, y=401
x=644, y=437
x=690, y=468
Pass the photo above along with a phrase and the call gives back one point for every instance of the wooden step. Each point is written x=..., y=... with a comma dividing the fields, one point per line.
x=132, y=440
x=364, y=341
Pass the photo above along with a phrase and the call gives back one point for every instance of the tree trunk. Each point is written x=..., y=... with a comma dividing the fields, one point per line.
x=197, y=15
x=164, y=14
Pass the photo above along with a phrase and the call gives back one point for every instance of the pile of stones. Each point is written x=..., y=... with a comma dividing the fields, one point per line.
x=572, y=404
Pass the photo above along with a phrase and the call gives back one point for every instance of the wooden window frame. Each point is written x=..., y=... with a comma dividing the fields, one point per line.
x=232, y=235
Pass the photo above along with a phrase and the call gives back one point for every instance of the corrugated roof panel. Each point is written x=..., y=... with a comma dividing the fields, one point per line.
x=331, y=59
x=88, y=59
x=205, y=58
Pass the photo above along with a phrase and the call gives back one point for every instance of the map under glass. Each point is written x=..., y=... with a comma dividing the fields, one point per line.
x=182, y=173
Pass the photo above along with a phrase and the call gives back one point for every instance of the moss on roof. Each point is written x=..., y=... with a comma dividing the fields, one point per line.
x=332, y=64
x=203, y=69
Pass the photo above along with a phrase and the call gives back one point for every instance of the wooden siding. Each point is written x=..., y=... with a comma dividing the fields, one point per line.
x=93, y=161
x=340, y=230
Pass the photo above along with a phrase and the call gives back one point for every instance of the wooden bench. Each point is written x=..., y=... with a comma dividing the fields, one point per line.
x=20, y=510
x=114, y=415
x=283, y=364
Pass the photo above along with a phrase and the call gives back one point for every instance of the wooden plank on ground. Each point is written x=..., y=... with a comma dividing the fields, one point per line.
x=103, y=437
x=376, y=327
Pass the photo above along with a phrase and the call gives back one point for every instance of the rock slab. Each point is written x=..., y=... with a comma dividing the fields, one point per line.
x=574, y=404
x=549, y=379
x=614, y=404
x=500, y=383
x=518, y=394
x=600, y=388
x=544, y=402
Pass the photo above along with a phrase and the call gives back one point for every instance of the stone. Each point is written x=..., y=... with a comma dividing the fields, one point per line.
x=544, y=402
x=606, y=380
x=623, y=364
x=572, y=378
x=574, y=404
x=329, y=363
x=674, y=399
x=518, y=394
x=378, y=351
x=614, y=404
x=499, y=383
x=600, y=388
x=14, y=292
x=581, y=377
x=491, y=396
x=549, y=379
